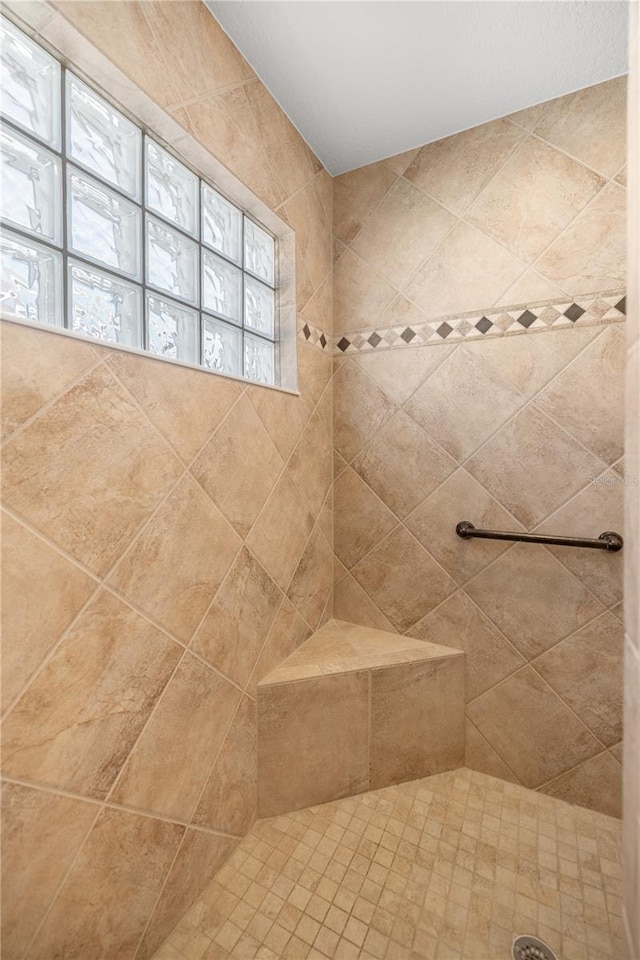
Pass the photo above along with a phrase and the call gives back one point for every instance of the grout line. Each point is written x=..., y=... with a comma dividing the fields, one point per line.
x=493, y=749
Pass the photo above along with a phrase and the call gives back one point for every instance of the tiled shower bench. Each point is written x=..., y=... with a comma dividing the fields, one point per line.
x=355, y=709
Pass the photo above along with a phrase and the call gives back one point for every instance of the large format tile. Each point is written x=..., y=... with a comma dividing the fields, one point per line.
x=174, y=569
x=468, y=271
x=43, y=593
x=280, y=533
x=590, y=125
x=600, y=428
x=70, y=728
x=185, y=405
x=531, y=729
x=107, y=898
x=399, y=373
x=327, y=745
x=417, y=720
x=41, y=835
x=309, y=214
x=480, y=755
x=355, y=195
x=460, y=497
x=352, y=603
x=463, y=402
x=402, y=232
x=531, y=466
x=458, y=623
x=36, y=367
x=310, y=463
x=532, y=598
x=239, y=467
x=597, y=508
x=199, y=857
x=288, y=632
x=311, y=584
x=532, y=198
x=89, y=471
x=169, y=764
x=359, y=294
x=360, y=409
x=456, y=169
x=402, y=464
x=284, y=415
x=586, y=670
x=230, y=796
x=236, y=625
x=591, y=253
x=403, y=579
x=596, y=784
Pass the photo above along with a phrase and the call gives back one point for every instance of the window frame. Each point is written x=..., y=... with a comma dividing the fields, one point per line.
x=141, y=283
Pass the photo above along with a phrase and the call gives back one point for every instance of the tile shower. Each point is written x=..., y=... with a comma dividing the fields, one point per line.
x=450, y=367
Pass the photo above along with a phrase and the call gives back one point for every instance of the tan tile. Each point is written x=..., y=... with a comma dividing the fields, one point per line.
x=185, y=405
x=229, y=799
x=402, y=232
x=532, y=467
x=591, y=254
x=41, y=835
x=399, y=373
x=309, y=214
x=550, y=741
x=288, y=632
x=351, y=602
x=239, y=467
x=174, y=569
x=468, y=271
x=402, y=464
x=236, y=625
x=69, y=729
x=311, y=462
x=327, y=746
x=434, y=524
x=400, y=161
x=280, y=533
x=530, y=288
x=417, y=720
x=169, y=764
x=318, y=310
x=597, y=508
x=226, y=125
x=458, y=623
x=596, y=784
x=404, y=580
x=455, y=170
x=361, y=519
x=463, y=402
x=360, y=409
x=543, y=602
x=200, y=856
x=313, y=579
x=359, y=294
x=43, y=593
x=577, y=123
x=530, y=362
x=586, y=671
x=315, y=368
x=621, y=178
x=603, y=363
x=293, y=161
x=355, y=195
x=91, y=439
x=480, y=755
x=110, y=893
x=533, y=198
x=530, y=117
x=36, y=367
x=284, y=416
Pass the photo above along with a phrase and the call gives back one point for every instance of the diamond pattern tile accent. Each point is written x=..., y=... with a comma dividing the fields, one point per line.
x=574, y=312
x=446, y=867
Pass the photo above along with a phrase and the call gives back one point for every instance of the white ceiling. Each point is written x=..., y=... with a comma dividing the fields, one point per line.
x=368, y=79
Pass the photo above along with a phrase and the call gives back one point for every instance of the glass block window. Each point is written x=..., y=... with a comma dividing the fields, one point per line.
x=107, y=234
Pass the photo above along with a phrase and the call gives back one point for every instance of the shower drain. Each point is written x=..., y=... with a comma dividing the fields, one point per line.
x=530, y=948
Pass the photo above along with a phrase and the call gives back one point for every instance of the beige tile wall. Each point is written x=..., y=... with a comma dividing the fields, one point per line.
x=505, y=432
x=168, y=538
x=631, y=824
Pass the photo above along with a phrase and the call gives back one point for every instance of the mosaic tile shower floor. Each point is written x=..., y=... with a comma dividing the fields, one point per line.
x=449, y=867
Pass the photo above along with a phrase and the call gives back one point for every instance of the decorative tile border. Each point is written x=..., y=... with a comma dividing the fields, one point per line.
x=592, y=309
x=316, y=336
